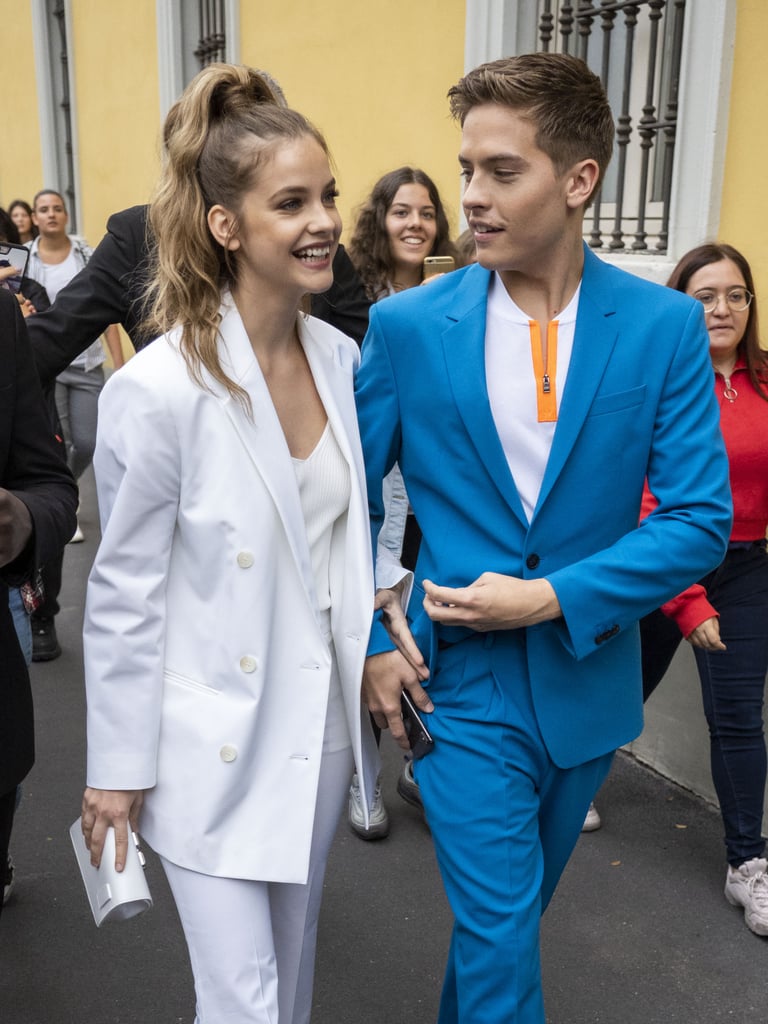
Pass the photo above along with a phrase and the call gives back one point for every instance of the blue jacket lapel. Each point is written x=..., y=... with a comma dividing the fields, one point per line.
x=593, y=344
x=464, y=350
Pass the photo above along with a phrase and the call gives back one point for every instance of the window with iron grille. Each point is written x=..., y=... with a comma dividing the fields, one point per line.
x=59, y=55
x=636, y=49
x=667, y=67
x=53, y=74
x=212, y=41
x=189, y=37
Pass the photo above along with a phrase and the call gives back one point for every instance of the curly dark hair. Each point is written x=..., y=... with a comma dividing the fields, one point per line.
x=749, y=347
x=369, y=246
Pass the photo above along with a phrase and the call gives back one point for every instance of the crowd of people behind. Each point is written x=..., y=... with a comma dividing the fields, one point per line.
x=507, y=594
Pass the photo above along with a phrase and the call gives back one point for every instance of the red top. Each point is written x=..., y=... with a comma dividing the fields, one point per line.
x=744, y=424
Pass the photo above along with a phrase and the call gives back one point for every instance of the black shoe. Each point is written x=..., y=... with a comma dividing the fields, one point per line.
x=45, y=644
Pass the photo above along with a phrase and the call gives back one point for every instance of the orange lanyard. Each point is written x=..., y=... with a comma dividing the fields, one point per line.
x=546, y=376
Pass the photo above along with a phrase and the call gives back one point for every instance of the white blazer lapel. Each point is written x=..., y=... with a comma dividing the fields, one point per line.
x=262, y=436
x=333, y=362
x=334, y=387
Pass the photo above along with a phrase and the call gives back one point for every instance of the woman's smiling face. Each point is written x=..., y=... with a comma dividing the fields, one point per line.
x=411, y=223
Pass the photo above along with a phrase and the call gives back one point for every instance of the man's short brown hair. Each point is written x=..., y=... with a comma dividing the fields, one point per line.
x=558, y=93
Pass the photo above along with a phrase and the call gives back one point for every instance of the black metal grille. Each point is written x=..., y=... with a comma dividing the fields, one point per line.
x=211, y=46
x=636, y=49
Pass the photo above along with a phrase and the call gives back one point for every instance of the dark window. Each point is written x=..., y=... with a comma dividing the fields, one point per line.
x=62, y=118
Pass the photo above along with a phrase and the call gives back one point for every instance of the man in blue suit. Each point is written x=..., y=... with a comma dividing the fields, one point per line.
x=526, y=399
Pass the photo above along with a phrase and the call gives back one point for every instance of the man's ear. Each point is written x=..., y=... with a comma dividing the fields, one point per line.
x=223, y=225
x=581, y=182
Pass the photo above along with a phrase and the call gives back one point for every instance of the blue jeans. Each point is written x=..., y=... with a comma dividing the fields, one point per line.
x=21, y=623
x=732, y=687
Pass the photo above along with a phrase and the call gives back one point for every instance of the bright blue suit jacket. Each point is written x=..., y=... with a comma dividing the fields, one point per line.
x=638, y=402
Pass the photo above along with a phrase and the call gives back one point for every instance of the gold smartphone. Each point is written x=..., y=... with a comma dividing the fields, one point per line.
x=438, y=265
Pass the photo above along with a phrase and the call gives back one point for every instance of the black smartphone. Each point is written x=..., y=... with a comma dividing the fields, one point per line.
x=418, y=735
x=12, y=255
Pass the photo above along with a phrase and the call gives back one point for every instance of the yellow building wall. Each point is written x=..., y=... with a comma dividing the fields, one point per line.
x=114, y=53
x=373, y=78
x=744, y=213
x=20, y=161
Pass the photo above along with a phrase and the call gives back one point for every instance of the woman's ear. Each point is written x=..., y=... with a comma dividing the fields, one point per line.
x=223, y=225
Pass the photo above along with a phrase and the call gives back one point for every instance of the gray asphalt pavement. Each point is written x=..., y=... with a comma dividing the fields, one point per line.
x=638, y=933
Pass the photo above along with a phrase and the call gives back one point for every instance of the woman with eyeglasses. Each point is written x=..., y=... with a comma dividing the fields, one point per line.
x=725, y=616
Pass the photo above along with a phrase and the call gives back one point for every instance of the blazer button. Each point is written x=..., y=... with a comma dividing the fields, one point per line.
x=245, y=559
x=607, y=634
x=532, y=561
x=248, y=663
x=228, y=753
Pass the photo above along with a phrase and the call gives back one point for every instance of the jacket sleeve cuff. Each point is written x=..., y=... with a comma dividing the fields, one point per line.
x=380, y=640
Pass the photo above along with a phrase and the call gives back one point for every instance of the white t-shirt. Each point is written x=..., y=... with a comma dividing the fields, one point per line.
x=59, y=274
x=325, y=488
x=511, y=384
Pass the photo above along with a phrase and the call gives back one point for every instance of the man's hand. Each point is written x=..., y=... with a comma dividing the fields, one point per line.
x=390, y=603
x=493, y=601
x=707, y=635
x=104, y=807
x=385, y=676
x=15, y=526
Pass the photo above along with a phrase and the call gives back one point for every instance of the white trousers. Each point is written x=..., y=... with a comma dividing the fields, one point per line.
x=252, y=944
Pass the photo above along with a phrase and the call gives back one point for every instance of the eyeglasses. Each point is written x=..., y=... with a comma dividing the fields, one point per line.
x=737, y=299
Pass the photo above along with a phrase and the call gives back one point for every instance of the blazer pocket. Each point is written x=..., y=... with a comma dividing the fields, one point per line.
x=188, y=683
x=618, y=401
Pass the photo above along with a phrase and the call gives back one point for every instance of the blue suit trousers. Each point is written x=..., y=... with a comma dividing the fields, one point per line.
x=504, y=819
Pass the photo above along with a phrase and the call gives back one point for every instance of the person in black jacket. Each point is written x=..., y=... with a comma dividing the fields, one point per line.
x=38, y=499
x=110, y=289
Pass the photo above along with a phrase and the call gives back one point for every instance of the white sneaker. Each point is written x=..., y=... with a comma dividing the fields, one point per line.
x=6, y=879
x=747, y=886
x=592, y=821
x=408, y=787
x=378, y=827
x=78, y=536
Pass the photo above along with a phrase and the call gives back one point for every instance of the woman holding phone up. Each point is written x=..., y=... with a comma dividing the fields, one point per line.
x=400, y=224
x=228, y=609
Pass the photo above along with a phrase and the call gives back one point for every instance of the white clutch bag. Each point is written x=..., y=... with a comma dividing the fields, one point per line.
x=113, y=895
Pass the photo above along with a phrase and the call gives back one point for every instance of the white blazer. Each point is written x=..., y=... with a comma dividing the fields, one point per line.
x=207, y=673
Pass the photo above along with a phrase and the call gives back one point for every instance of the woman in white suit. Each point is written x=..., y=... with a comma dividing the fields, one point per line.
x=229, y=605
